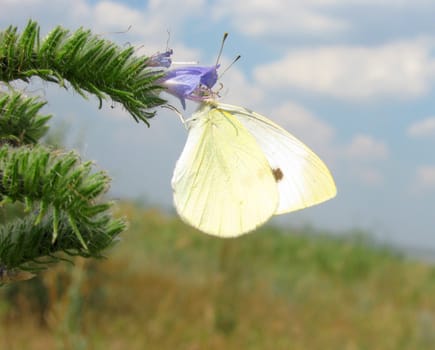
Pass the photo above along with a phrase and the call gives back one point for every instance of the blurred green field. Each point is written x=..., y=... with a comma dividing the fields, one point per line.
x=166, y=286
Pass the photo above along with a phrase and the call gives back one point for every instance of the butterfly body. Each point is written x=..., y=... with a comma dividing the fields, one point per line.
x=238, y=169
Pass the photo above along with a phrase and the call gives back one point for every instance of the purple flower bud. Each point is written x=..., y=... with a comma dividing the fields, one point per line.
x=192, y=83
x=160, y=59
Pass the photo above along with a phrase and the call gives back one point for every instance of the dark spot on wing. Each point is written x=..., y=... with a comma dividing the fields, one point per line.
x=277, y=174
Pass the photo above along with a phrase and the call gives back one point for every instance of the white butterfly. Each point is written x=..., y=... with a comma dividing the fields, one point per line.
x=238, y=169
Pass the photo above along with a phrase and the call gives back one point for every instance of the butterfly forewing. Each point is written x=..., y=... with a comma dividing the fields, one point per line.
x=223, y=183
x=302, y=177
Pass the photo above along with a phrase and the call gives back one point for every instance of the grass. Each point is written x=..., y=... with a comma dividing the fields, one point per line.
x=166, y=286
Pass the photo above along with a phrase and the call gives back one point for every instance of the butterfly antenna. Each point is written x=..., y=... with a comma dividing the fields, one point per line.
x=222, y=47
x=229, y=66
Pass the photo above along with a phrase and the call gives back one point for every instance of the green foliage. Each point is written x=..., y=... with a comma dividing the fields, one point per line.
x=20, y=122
x=61, y=196
x=51, y=203
x=87, y=62
x=170, y=287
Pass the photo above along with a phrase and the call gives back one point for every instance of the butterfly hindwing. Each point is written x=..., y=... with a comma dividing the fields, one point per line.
x=302, y=177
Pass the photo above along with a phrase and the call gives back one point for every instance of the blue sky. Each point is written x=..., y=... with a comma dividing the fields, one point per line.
x=354, y=79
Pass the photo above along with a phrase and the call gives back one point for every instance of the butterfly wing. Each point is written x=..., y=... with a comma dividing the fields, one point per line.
x=223, y=184
x=302, y=177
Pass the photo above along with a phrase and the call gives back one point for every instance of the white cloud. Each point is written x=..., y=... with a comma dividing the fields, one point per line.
x=360, y=155
x=116, y=16
x=46, y=13
x=148, y=26
x=360, y=159
x=303, y=124
x=377, y=3
x=369, y=176
x=236, y=89
x=425, y=177
x=365, y=147
x=148, y=21
x=422, y=128
x=403, y=69
x=278, y=17
x=315, y=17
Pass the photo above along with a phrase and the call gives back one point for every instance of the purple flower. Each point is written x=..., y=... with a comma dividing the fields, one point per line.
x=160, y=59
x=192, y=83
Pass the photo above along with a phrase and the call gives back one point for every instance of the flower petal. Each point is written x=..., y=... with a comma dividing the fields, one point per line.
x=162, y=59
x=192, y=83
